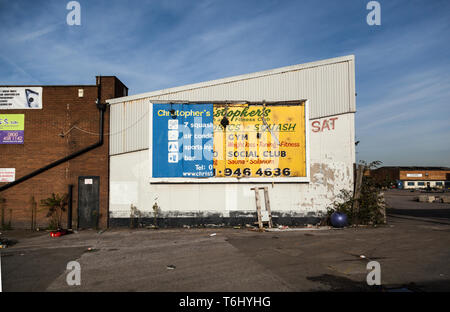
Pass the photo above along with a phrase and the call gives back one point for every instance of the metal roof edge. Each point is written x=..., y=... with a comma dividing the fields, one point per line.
x=45, y=86
x=231, y=79
x=416, y=168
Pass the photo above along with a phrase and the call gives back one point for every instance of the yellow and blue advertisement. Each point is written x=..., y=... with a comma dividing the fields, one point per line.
x=229, y=141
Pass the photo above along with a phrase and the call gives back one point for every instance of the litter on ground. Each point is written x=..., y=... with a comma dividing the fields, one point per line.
x=283, y=229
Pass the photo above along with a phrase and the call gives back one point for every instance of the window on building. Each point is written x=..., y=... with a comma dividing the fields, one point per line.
x=411, y=183
x=439, y=184
x=421, y=183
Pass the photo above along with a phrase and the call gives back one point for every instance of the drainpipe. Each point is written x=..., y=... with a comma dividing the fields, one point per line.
x=101, y=108
x=69, y=206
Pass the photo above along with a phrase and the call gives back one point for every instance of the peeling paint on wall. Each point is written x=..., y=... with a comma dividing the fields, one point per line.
x=331, y=170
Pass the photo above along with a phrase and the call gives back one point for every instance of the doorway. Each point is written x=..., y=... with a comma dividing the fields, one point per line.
x=88, y=201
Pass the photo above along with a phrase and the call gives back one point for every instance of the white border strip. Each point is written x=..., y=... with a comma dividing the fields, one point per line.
x=305, y=179
x=150, y=144
x=1, y=272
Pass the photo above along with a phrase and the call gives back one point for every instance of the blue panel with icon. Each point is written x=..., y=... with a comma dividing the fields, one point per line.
x=182, y=141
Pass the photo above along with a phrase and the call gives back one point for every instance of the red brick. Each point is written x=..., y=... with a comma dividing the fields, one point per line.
x=62, y=109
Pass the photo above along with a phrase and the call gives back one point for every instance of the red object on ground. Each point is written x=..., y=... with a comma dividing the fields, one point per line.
x=58, y=233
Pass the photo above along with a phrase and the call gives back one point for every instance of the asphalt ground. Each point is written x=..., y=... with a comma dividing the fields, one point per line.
x=413, y=250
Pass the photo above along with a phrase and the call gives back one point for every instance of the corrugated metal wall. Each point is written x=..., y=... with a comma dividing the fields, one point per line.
x=129, y=126
x=329, y=87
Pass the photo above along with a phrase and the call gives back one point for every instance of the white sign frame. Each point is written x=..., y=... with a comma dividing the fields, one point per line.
x=305, y=179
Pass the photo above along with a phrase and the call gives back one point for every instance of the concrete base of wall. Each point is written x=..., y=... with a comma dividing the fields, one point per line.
x=209, y=221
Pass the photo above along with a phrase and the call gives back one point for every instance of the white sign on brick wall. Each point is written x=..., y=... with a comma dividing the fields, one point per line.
x=414, y=175
x=7, y=174
x=20, y=97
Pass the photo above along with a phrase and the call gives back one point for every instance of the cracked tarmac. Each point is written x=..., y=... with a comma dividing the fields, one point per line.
x=413, y=250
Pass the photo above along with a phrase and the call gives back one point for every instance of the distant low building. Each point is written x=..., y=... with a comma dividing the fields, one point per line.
x=414, y=177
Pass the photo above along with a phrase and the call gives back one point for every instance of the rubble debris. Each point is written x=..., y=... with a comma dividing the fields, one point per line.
x=316, y=228
x=432, y=199
x=212, y=225
x=257, y=229
x=5, y=242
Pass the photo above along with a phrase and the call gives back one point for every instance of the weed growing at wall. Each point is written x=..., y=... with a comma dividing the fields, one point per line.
x=56, y=205
x=371, y=201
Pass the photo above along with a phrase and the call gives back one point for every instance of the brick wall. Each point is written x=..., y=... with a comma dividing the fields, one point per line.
x=43, y=144
x=383, y=174
x=427, y=175
x=393, y=173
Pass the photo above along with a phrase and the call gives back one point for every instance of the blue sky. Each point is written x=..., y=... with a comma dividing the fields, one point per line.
x=402, y=66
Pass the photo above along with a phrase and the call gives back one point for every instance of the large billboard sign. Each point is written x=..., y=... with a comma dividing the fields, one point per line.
x=20, y=98
x=12, y=128
x=227, y=142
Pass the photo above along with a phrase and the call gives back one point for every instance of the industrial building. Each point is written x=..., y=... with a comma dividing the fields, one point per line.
x=186, y=155
x=194, y=154
x=414, y=177
x=54, y=139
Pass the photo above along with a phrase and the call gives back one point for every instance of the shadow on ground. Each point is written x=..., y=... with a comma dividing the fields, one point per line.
x=421, y=213
x=35, y=270
x=343, y=284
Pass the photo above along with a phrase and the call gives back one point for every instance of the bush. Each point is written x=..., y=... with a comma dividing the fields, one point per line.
x=371, y=201
x=56, y=205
